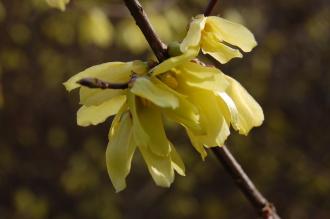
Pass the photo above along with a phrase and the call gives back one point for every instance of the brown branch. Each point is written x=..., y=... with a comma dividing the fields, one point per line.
x=209, y=7
x=97, y=83
x=264, y=208
x=141, y=19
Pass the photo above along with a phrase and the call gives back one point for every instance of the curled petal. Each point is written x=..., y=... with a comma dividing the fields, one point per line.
x=228, y=109
x=250, y=113
x=120, y=150
x=193, y=36
x=212, y=119
x=93, y=115
x=232, y=33
x=218, y=50
x=160, y=167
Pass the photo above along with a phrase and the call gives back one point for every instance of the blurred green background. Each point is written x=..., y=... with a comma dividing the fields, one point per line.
x=51, y=168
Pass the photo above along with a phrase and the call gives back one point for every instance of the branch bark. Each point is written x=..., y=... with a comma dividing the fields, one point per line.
x=141, y=19
x=97, y=83
x=209, y=7
x=264, y=208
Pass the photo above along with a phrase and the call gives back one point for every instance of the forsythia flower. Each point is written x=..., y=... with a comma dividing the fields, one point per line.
x=138, y=121
x=216, y=36
x=60, y=4
x=205, y=101
x=203, y=86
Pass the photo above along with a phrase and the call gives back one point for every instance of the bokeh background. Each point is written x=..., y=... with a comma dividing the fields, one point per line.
x=51, y=168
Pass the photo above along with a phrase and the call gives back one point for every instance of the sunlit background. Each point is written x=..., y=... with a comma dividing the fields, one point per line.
x=51, y=168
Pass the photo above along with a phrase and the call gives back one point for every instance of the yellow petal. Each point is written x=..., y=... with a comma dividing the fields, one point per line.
x=160, y=167
x=211, y=118
x=60, y=4
x=94, y=96
x=250, y=113
x=152, y=124
x=141, y=138
x=116, y=120
x=232, y=33
x=228, y=109
x=191, y=75
x=186, y=114
x=218, y=50
x=120, y=151
x=93, y=115
x=197, y=144
x=114, y=72
x=177, y=162
x=172, y=62
x=198, y=71
x=193, y=36
x=153, y=90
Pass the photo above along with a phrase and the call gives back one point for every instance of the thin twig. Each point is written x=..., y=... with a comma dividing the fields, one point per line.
x=264, y=208
x=141, y=19
x=209, y=7
x=97, y=83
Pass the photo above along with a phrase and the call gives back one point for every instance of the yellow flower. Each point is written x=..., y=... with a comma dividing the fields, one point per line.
x=217, y=36
x=202, y=99
x=219, y=99
x=59, y=4
x=138, y=121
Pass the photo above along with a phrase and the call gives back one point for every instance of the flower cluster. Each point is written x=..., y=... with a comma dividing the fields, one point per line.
x=201, y=98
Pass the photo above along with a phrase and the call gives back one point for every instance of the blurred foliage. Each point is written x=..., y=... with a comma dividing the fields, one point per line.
x=50, y=168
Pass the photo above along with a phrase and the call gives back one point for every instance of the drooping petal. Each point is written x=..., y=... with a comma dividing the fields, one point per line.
x=114, y=72
x=228, y=109
x=160, y=167
x=172, y=62
x=151, y=122
x=250, y=113
x=212, y=119
x=120, y=151
x=139, y=134
x=197, y=144
x=177, y=162
x=193, y=36
x=232, y=33
x=218, y=50
x=93, y=115
x=152, y=89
